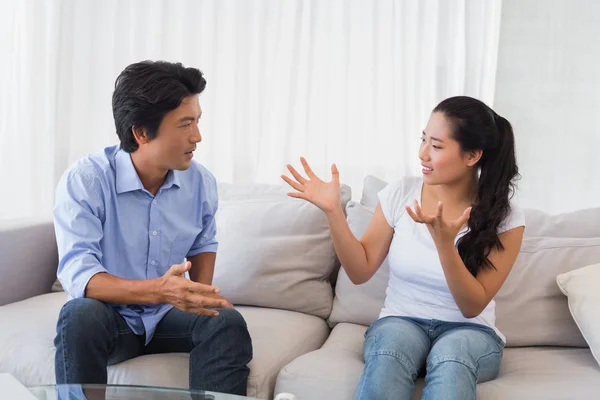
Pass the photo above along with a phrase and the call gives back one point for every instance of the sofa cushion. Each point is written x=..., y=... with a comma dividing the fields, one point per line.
x=333, y=372
x=544, y=373
x=530, y=309
x=575, y=224
x=359, y=304
x=29, y=327
x=274, y=251
x=581, y=288
x=371, y=186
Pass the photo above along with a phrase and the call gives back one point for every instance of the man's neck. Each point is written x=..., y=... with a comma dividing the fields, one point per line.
x=151, y=176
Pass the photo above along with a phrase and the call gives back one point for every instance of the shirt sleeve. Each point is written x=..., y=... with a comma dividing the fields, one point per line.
x=78, y=214
x=515, y=218
x=206, y=241
x=390, y=199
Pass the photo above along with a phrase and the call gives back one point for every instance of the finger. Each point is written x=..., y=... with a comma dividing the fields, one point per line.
x=293, y=184
x=210, y=302
x=201, y=288
x=413, y=215
x=307, y=169
x=464, y=218
x=439, y=210
x=180, y=269
x=424, y=217
x=229, y=305
x=296, y=174
x=204, y=311
x=335, y=174
x=296, y=195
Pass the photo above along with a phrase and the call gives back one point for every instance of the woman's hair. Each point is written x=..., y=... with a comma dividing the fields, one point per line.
x=146, y=91
x=475, y=126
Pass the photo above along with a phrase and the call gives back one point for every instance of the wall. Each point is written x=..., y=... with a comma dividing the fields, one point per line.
x=548, y=86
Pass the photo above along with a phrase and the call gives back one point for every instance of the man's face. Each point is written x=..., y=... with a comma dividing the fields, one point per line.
x=177, y=135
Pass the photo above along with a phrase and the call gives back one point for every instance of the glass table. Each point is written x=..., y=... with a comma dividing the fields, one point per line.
x=123, y=392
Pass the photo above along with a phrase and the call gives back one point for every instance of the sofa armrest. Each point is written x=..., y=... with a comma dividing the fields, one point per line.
x=28, y=258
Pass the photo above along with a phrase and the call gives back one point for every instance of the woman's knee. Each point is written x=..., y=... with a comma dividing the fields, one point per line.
x=396, y=343
x=469, y=354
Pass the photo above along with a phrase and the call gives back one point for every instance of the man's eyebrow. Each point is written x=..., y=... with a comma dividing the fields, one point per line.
x=186, y=119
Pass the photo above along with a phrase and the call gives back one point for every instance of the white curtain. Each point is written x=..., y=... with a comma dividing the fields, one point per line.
x=350, y=82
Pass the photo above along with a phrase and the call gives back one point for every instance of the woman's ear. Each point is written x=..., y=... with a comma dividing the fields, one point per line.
x=473, y=157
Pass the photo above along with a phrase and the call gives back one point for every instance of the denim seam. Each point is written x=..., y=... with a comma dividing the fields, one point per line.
x=62, y=338
x=441, y=360
x=173, y=336
x=397, y=356
x=493, y=353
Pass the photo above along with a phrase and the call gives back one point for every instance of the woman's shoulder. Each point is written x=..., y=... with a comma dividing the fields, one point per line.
x=404, y=186
x=514, y=219
x=396, y=195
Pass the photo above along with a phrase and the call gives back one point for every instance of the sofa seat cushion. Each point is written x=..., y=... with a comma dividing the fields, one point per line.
x=333, y=372
x=29, y=326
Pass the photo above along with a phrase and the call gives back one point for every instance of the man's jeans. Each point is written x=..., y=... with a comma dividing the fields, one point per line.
x=456, y=356
x=91, y=336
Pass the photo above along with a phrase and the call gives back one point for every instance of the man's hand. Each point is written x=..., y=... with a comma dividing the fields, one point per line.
x=190, y=296
x=219, y=297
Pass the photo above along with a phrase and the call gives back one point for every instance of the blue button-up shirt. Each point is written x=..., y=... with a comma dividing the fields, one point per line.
x=105, y=221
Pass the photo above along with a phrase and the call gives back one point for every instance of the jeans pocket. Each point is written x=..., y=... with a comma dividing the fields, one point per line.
x=499, y=342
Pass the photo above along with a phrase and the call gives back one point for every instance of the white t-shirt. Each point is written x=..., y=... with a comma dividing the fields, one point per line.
x=417, y=286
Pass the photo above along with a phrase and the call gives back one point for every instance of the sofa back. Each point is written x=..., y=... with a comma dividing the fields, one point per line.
x=530, y=309
x=28, y=258
x=274, y=251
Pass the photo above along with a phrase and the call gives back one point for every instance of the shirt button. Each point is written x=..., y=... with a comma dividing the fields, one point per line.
x=154, y=233
x=153, y=201
x=153, y=262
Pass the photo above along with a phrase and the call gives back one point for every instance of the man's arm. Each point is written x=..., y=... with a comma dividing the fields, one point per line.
x=203, y=267
x=114, y=290
x=202, y=270
x=171, y=288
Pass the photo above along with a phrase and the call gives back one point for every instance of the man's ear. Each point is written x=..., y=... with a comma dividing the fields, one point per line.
x=140, y=134
x=473, y=157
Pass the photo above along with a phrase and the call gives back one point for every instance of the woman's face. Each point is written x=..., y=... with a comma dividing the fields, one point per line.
x=442, y=158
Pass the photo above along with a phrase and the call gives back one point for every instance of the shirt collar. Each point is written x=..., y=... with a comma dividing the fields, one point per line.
x=128, y=179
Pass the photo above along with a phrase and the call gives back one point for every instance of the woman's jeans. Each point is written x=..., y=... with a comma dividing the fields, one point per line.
x=456, y=357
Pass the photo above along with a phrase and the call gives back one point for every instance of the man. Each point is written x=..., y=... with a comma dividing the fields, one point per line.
x=125, y=219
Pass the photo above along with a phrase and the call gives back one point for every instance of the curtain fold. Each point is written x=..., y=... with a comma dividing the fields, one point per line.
x=344, y=81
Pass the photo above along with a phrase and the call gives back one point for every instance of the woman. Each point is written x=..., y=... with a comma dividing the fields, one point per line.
x=451, y=237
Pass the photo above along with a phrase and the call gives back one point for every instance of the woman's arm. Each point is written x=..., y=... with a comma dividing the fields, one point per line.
x=472, y=294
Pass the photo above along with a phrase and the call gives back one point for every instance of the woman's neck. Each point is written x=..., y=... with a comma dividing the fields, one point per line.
x=459, y=194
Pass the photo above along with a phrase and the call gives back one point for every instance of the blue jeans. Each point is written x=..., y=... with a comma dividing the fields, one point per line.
x=456, y=357
x=91, y=335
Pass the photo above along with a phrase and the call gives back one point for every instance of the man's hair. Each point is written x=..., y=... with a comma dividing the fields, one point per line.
x=146, y=91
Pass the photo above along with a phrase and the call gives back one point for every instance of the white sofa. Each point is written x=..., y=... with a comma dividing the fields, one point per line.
x=277, y=264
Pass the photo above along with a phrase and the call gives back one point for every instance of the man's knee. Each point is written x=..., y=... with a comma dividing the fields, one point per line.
x=83, y=314
x=232, y=321
x=230, y=326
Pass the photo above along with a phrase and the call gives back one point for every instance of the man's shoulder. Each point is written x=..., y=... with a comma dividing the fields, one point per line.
x=199, y=173
x=93, y=168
